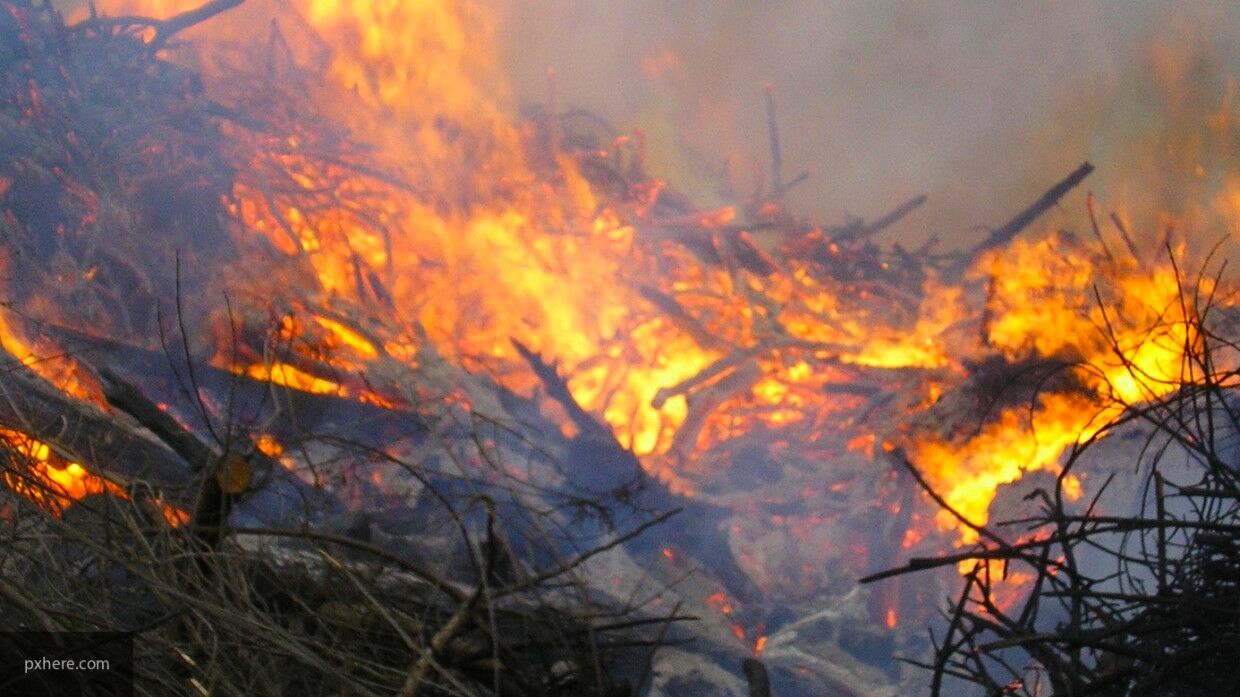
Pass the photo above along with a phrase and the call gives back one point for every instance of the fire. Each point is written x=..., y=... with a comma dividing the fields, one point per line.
x=53, y=481
x=1001, y=453
x=487, y=245
x=45, y=359
x=281, y=373
x=349, y=337
x=50, y=480
x=269, y=446
x=490, y=242
x=477, y=252
x=455, y=228
x=1044, y=303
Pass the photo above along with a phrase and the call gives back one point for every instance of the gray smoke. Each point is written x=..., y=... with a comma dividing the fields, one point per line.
x=981, y=105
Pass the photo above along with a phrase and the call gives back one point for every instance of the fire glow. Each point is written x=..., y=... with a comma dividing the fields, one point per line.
x=495, y=233
x=53, y=481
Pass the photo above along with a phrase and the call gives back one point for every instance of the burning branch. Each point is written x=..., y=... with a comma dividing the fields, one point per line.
x=32, y=406
x=1128, y=603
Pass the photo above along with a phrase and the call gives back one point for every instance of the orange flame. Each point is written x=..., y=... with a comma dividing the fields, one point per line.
x=1043, y=303
x=487, y=237
x=53, y=482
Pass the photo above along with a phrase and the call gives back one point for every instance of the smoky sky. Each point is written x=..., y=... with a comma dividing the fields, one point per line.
x=981, y=105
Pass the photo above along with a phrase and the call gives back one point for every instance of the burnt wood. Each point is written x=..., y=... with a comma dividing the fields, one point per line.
x=84, y=433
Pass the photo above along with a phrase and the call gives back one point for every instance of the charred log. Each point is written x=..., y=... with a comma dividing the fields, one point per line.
x=84, y=433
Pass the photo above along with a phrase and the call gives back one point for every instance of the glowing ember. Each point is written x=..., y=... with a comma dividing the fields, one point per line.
x=719, y=601
x=269, y=446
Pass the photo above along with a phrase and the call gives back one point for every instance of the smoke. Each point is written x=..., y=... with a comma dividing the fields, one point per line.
x=980, y=105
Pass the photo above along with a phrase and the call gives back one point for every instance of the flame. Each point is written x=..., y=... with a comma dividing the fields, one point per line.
x=46, y=360
x=281, y=373
x=269, y=446
x=1127, y=347
x=50, y=481
x=488, y=245
x=480, y=252
x=1006, y=586
x=348, y=337
x=53, y=482
x=491, y=241
x=484, y=230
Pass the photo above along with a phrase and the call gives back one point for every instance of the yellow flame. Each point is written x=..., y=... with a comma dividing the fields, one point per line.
x=1129, y=345
x=491, y=241
x=51, y=481
x=287, y=375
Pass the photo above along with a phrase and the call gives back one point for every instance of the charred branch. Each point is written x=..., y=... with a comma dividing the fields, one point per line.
x=84, y=433
x=862, y=230
x=164, y=29
x=777, y=155
x=756, y=675
x=1009, y=230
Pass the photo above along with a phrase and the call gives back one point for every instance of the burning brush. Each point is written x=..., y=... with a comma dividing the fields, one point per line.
x=419, y=389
